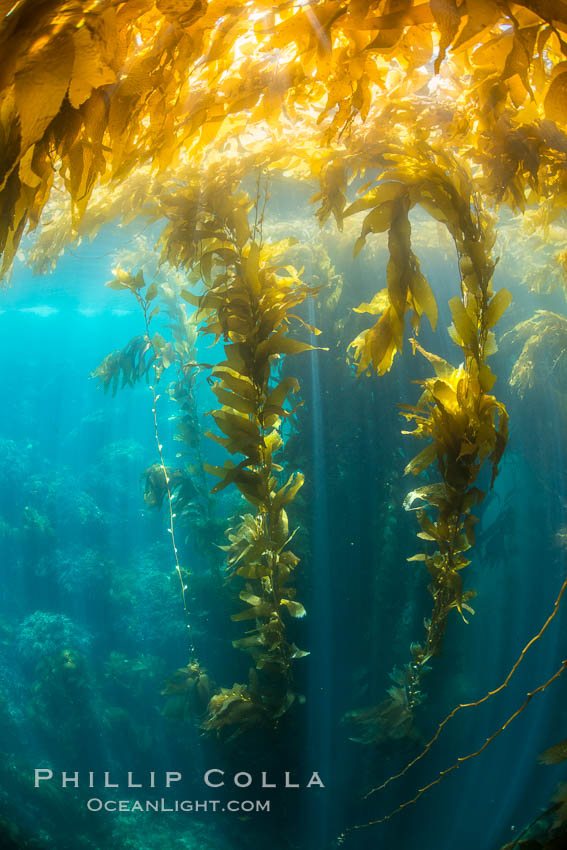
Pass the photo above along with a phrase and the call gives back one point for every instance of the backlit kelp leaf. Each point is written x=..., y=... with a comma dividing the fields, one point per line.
x=376, y=346
x=443, y=369
x=289, y=559
x=296, y=609
x=237, y=383
x=436, y=494
x=246, y=642
x=421, y=461
x=194, y=300
x=277, y=397
x=41, y=83
x=236, y=358
x=221, y=471
x=555, y=754
x=555, y=103
x=424, y=297
x=253, y=570
x=499, y=303
x=379, y=303
x=448, y=18
x=263, y=609
x=251, y=267
x=402, y=262
x=280, y=344
x=379, y=220
x=463, y=322
x=89, y=68
x=234, y=400
x=377, y=197
x=270, y=250
x=486, y=378
x=287, y=493
x=252, y=486
x=237, y=427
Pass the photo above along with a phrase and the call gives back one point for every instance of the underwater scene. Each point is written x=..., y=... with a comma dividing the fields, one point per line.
x=283, y=502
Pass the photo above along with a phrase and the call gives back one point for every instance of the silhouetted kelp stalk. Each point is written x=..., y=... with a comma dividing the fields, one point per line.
x=155, y=355
x=463, y=423
x=248, y=298
x=443, y=773
x=478, y=702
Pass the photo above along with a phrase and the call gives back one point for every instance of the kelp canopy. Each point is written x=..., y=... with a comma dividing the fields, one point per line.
x=95, y=93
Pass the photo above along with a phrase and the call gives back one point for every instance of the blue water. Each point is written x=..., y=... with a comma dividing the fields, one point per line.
x=88, y=569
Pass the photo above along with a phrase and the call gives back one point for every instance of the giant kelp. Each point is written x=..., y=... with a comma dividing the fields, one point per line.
x=90, y=95
x=161, y=109
x=463, y=423
x=248, y=298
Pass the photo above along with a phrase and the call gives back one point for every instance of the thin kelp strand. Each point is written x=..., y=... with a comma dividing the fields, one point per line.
x=460, y=760
x=144, y=304
x=478, y=702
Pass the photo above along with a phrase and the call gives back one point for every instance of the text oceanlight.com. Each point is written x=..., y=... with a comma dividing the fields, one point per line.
x=97, y=805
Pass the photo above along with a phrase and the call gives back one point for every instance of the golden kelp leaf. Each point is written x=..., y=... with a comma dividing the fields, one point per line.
x=296, y=609
x=379, y=303
x=435, y=494
x=555, y=754
x=377, y=221
x=555, y=103
x=493, y=53
x=41, y=84
x=287, y=493
x=499, y=303
x=376, y=345
x=234, y=425
x=246, y=642
x=236, y=402
x=386, y=191
x=263, y=609
x=491, y=346
x=237, y=383
x=358, y=246
x=279, y=394
x=271, y=250
x=89, y=69
x=443, y=369
x=423, y=295
x=448, y=18
x=481, y=15
x=421, y=461
x=463, y=322
x=280, y=344
x=443, y=392
x=251, y=485
x=486, y=378
x=195, y=300
x=251, y=266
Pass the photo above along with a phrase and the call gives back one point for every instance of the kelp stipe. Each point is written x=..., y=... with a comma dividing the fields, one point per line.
x=248, y=298
x=463, y=424
x=442, y=774
x=153, y=355
x=476, y=703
